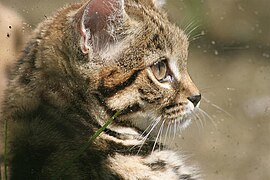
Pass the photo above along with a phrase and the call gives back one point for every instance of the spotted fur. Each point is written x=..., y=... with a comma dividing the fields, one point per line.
x=81, y=66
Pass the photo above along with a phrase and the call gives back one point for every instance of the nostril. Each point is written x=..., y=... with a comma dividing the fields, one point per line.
x=195, y=99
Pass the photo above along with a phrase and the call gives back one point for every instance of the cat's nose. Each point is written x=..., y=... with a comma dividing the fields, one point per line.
x=195, y=99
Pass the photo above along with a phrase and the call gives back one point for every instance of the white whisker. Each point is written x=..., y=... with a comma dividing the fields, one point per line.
x=144, y=139
x=201, y=114
x=174, y=130
x=170, y=132
x=195, y=119
x=198, y=117
x=153, y=122
x=209, y=117
x=166, y=133
x=157, y=137
x=160, y=139
x=195, y=37
x=191, y=31
x=188, y=26
x=218, y=108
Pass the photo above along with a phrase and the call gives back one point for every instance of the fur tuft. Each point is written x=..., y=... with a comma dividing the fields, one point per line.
x=159, y=3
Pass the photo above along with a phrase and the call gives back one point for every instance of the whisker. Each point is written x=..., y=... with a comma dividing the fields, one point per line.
x=166, y=133
x=185, y=29
x=209, y=117
x=157, y=137
x=191, y=31
x=144, y=139
x=180, y=127
x=170, y=130
x=193, y=116
x=160, y=140
x=190, y=27
x=153, y=122
x=195, y=37
x=198, y=117
x=200, y=114
x=174, y=130
x=218, y=108
x=222, y=110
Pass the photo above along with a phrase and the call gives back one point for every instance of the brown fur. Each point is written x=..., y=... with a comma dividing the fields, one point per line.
x=67, y=83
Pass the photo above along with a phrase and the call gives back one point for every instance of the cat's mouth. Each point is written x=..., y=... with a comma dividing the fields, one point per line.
x=169, y=120
x=173, y=119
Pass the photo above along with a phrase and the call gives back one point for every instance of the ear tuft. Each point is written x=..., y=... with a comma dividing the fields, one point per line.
x=97, y=20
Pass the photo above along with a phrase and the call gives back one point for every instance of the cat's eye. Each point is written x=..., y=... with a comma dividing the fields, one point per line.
x=161, y=71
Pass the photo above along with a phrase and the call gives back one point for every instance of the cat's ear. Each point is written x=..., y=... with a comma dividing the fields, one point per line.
x=159, y=3
x=97, y=21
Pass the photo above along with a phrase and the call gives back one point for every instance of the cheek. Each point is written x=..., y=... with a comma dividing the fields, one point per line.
x=153, y=94
x=124, y=99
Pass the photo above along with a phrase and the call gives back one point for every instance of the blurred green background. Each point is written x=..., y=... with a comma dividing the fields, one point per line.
x=229, y=62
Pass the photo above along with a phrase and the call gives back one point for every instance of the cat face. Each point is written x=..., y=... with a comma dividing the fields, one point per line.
x=142, y=67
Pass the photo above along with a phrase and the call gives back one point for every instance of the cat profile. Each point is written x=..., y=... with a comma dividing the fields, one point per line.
x=81, y=66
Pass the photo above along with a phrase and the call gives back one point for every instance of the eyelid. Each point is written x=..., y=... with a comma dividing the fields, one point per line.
x=160, y=60
x=168, y=78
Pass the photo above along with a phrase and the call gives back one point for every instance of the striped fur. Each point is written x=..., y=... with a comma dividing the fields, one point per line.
x=77, y=71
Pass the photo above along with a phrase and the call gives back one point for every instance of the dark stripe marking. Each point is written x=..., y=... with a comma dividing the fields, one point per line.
x=159, y=165
x=112, y=133
x=186, y=177
x=111, y=112
x=108, y=92
x=131, y=109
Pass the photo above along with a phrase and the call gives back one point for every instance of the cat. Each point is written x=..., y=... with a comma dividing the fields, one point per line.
x=89, y=61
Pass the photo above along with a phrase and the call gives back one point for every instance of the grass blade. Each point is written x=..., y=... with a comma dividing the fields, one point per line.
x=88, y=144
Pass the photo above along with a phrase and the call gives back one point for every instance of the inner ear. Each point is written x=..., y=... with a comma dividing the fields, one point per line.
x=97, y=21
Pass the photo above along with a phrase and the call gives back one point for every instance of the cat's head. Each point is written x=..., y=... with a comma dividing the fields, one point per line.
x=139, y=59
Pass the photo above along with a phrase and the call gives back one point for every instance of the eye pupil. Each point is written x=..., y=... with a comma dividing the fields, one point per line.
x=159, y=70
